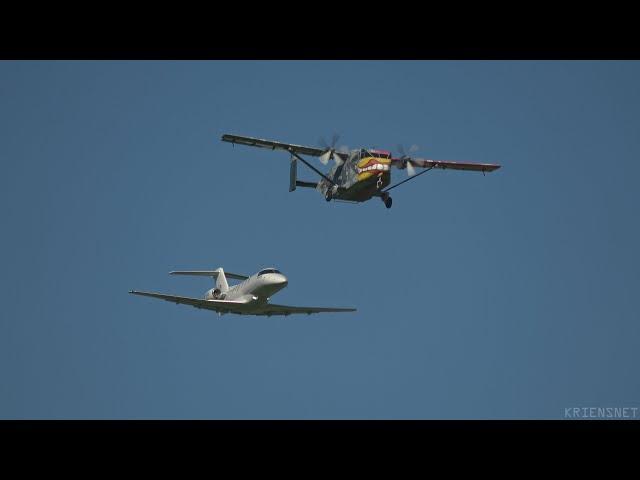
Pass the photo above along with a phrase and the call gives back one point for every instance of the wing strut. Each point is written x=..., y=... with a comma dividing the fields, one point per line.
x=311, y=167
x=405, y=180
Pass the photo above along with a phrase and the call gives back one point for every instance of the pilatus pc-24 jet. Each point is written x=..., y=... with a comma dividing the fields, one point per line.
x=250, y=297
x=358, y=175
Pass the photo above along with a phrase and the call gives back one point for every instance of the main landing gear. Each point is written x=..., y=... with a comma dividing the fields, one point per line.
x=387, y=200
x=332, y=191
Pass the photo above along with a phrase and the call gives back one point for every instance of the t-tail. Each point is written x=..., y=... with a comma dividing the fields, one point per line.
x=221, y=281
x=219, y=275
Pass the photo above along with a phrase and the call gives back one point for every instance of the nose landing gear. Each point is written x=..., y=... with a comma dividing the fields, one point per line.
x=331, y=192
x=328, y=195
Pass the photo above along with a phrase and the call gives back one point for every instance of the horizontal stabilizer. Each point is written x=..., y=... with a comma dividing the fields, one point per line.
x=208, y=273
x=300, y=183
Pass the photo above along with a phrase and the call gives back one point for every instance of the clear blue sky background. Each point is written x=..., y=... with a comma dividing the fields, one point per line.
x=513, y=295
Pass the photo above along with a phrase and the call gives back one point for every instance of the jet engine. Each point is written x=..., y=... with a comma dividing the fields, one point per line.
x=215, y=294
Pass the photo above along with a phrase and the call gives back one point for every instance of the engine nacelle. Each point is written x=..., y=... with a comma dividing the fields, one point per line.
x=215, y=294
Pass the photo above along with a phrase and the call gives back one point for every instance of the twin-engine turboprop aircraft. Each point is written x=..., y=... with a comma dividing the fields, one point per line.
x=358, y=175
x=250, y=297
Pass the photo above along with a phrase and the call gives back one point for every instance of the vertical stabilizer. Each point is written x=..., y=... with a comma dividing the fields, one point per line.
x=221, y=281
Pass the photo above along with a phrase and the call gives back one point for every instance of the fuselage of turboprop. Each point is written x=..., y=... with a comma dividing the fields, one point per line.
x=360, y=177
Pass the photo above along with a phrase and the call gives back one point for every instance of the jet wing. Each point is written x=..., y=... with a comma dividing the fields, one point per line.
x=257, y=142
x=222, y=306
x=272, y=309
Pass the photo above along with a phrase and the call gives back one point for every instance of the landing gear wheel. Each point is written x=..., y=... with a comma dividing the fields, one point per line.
x=328, y=196
x=387, y=200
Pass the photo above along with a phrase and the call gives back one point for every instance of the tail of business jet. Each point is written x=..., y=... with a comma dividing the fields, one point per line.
x=221, y=281
x=218, y=274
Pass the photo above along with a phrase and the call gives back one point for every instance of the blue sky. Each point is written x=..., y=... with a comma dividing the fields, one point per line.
x=513, y=295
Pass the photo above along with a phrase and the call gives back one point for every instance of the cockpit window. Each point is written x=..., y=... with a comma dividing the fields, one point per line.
x=268, y=270
x=374, y=153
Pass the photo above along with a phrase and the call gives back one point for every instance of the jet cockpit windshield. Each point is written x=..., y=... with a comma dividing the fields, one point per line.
x=268, y=270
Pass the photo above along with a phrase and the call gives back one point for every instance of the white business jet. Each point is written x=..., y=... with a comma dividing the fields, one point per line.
x=249, y=297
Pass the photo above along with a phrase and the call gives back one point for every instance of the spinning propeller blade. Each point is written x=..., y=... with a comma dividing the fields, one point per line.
x=324, y=158
x=407, y=161
x=330, y=153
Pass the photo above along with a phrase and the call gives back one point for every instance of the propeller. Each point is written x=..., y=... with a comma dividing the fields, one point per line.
x=407, y=160
x=330, y=150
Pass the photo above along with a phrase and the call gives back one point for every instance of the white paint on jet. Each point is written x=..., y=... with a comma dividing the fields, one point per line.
x=249, y=297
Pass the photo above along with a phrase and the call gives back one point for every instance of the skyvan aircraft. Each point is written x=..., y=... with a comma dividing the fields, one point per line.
x=358, y=175
x=250, y=297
